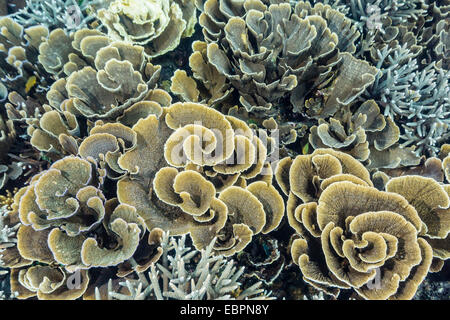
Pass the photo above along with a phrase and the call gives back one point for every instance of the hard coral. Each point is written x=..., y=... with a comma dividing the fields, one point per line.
x=432, y=203
x=379, y=243
x=188, y=174
x=8, y=169
x=46, y=283
x=68, y=14
x=94, y=89
x=417, y=99
x=354, y=132
x=19, y=69
x=157, y=25
x=63, y=212
x=193, y=275
x=207, y=85
x=86, y=66
x=277, y=57
x=361, y=131
x=66, y=196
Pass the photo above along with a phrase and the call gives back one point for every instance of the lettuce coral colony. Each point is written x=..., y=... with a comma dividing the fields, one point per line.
x=221, y=149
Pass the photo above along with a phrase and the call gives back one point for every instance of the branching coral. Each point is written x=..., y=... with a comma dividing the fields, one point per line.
x=157, y=25
x=18, y=58
x=8, y=230
x=185, y=274
x=354, y=236
x=96, y=78
x=68, y=14
x=421, y=25
x=367, y=13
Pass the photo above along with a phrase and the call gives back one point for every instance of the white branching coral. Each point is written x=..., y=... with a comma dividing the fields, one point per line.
x=180, y=276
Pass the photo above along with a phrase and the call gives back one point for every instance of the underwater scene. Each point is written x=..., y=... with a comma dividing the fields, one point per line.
x=224, y=149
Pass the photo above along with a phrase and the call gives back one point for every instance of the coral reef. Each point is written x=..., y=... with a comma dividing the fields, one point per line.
x=20, y=70
x=224, y=149
x=364, y=133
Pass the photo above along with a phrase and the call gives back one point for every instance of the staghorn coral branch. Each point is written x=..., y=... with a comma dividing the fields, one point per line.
x=211, y=277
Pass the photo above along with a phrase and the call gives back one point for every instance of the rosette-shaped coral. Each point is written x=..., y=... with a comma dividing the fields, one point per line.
x=194, y=170
x=415, y=97
x=8, y=169
x=116, y=74
x=19, y=68
x=352, y=235
x=156, y=24
x=277, y=57
x=305, y=177
x=445, y=155
x=105, y=144
x=432, y=203
x=435, y=34
x=25, y=246
x=207, y=85
x=48, y=283
x=349, y=132
x=368, y=242
x=65, y=196
x=66, y=220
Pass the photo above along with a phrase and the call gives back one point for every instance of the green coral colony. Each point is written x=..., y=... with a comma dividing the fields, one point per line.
x=222, y=149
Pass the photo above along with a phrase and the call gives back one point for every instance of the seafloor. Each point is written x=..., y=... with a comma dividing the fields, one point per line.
x=221, y=149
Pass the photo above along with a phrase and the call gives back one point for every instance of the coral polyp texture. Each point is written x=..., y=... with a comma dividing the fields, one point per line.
x=222, y=149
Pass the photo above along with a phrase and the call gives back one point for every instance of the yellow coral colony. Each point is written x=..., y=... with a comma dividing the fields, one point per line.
x=352, y=235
